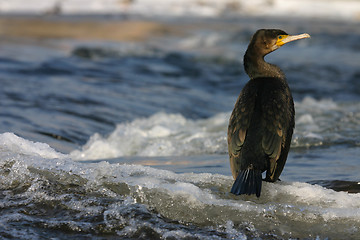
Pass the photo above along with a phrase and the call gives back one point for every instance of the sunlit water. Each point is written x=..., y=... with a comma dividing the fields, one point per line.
x=115, y=140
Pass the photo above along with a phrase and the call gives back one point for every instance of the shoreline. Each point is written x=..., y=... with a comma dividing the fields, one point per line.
x=62, y=28
x=138, y=29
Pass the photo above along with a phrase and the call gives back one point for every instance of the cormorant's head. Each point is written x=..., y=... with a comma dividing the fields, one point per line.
x=268, y=40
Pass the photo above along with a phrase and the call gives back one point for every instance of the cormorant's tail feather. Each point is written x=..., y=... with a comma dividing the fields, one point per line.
x=248, y=182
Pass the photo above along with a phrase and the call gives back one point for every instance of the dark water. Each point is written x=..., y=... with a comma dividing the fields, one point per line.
x=128, y=140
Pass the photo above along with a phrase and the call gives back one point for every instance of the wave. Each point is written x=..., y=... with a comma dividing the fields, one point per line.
x=15, y=144
x=206, y=8
x=132, y=198
x=159, y=135
x=318, y=123
x=325, y=122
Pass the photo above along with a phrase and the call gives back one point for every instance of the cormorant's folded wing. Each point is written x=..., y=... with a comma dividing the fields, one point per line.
x=275, y=125
x=240, y=121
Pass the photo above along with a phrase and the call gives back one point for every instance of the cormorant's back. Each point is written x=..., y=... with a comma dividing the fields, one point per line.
x=260, y=130
x=262, y=122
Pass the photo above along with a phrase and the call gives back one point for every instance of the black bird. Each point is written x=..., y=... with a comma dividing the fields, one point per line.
x=262, y=122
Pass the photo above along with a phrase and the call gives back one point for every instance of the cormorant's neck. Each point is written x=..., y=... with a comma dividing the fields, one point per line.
x=255, y=66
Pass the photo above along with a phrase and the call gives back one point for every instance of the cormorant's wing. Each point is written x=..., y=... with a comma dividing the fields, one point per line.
x=239, y=123
x=277, y=124
x=278, y=119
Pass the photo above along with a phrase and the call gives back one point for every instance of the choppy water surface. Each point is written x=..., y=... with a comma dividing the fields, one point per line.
x=122, y=140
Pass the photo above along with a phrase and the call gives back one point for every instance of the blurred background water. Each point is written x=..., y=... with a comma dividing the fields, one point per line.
x=114, y=114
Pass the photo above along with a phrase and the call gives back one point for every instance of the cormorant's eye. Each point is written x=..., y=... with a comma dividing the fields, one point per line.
x=280, y=37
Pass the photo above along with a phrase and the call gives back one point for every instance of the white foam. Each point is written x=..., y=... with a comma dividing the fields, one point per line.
x=13, y=143
x=162, y=134
x=26, y=153
x=189, y=197
x=335, y=9
x=318, y=202
x=324, y=120
x=159, y=135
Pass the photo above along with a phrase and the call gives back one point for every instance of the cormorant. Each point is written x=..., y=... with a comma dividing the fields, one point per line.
x=262, y=122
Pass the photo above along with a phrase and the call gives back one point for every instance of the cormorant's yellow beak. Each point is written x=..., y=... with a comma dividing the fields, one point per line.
x=282, y=39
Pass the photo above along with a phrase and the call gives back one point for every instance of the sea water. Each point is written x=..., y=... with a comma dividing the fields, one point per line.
x=128, y=140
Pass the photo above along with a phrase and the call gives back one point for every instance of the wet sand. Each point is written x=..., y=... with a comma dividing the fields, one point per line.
x=44, y=28
x=115, y=28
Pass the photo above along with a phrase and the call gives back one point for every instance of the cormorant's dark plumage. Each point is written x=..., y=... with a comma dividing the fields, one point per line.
x=262, y=122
